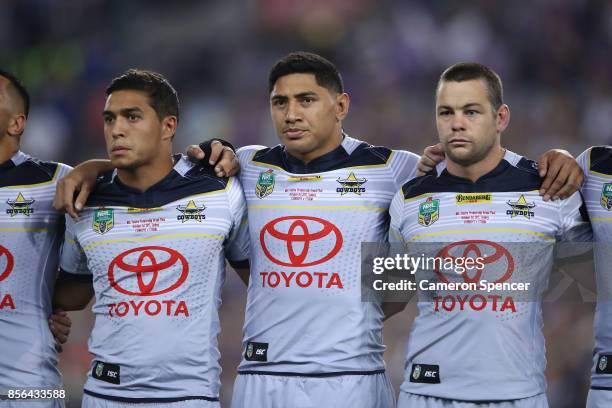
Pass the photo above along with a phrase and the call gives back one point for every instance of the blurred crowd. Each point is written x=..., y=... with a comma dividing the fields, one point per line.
x=554, y=57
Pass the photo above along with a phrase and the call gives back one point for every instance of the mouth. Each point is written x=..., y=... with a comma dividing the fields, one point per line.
x=293, y=133
x=119, y=149
x=458, y=141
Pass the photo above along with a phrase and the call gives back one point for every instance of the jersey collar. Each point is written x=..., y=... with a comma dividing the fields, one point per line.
x=14, y=161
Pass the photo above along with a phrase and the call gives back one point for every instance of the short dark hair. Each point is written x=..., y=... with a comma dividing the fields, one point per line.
x=467, y=71
x=301, y=62
x=163, y=98
x=21, y=90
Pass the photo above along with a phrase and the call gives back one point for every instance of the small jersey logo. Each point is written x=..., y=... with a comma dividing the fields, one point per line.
x=429, y=212
x=190, y=212
x=256, y=351
x=473, y=198
x=603, y=363
x=606, y=196
x=521, y=207
x=20, y=205
x=109, y=373
x=99, y=369
x=351, y=184
x=103, y=221
x=425, y=373
x=265, y=184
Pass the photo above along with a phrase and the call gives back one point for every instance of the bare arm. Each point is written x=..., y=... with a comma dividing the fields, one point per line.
x=72, y=293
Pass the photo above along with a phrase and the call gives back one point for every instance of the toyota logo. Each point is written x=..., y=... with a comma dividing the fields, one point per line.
x=301, y=231
x=472, y=249
x=8, y=264
x=147, y=263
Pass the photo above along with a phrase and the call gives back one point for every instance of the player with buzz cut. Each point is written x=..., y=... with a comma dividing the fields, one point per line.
x=30, y=236
x=480, y=351
x=597, y=192
x=153, y=238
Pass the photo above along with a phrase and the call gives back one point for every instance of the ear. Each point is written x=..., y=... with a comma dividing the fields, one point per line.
x=16, y=125
x=342, y=106
x=169, y=125
x=502, y=118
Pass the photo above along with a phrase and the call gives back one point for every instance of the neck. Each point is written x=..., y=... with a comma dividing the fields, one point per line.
x=307, y=157
x=145, y=176
x=8, y=147
x=475, y=171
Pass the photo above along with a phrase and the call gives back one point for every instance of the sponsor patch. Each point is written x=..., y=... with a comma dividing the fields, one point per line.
x=106, y=372
x=425, y=373
x=473, y=198
x=256, y=351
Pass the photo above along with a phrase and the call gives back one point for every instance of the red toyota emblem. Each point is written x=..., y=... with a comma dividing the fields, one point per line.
x=474, y=249
x=8, y=264
x=148, y=263
x=305, y=231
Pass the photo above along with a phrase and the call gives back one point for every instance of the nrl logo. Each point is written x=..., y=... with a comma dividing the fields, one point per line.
x=265, y=184
x=103, y=221
x=249, y=351
x=603, y=363
x=351, y=184
x=20, y=205
x=99, y=369
x=429, y=212
x=606, y=196
x=416, y=373
x=520, y=207
x=191, y=212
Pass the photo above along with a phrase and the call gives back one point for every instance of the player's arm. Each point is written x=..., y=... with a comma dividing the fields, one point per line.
x=243, y=273
x=237, y=244
x=562, y=174
x=72, y=292
x=60, y=324
x=81, y=180
x=392, y=308
x=221, y=154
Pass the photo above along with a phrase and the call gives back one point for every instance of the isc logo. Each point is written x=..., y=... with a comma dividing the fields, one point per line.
x=260, y=352
x=430, y=374
x=112, y=374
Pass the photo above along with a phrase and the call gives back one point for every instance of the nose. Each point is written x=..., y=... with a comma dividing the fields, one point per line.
x=458, y=123
x=118, y=128
x=293, y=113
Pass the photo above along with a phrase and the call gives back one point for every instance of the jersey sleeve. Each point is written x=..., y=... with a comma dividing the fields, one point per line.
x=237, y=244
x=73, y=259
x=575, y=225
x=583, y=161
x=396, y=212
x=403, y=166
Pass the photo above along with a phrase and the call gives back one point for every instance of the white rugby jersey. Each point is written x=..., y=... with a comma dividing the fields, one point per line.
x=596, y=162
x=482, y=346
x=157, y=263
x=30, y=235
x=304, y=313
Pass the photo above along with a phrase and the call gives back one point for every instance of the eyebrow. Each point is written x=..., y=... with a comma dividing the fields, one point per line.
x=123, y=112
x=300, y=95
x=466, y=106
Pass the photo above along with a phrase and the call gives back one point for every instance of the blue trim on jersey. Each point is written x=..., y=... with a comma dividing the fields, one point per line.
x=31, y=171
x=149, y=400
x=292, y=374
x=601, y=159
x=110, y=191
x=364, y=155
x=503, y=178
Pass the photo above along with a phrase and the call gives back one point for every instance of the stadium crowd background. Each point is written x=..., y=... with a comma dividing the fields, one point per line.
x=554, y=57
